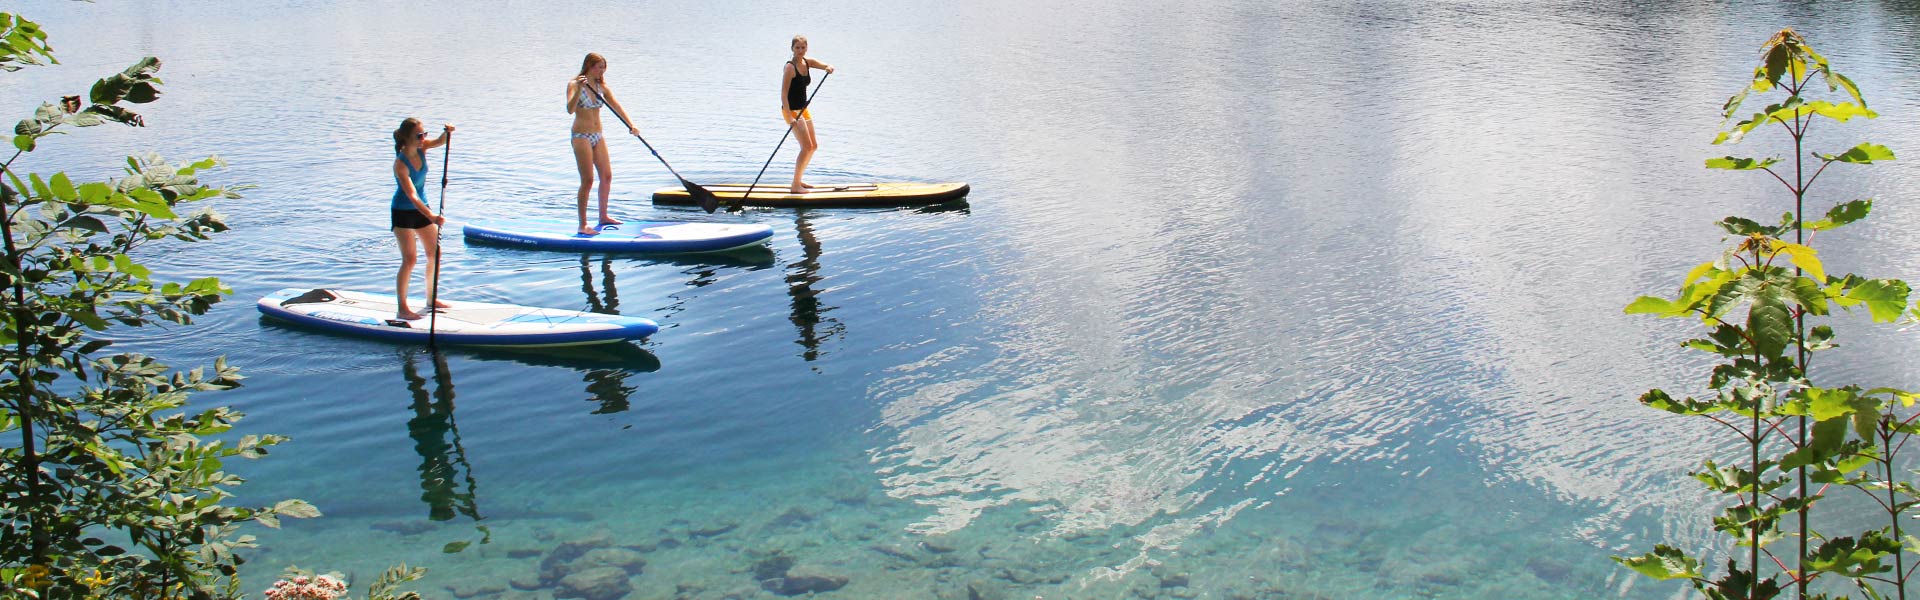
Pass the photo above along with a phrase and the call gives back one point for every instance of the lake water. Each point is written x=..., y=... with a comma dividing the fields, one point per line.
x=1250, y=299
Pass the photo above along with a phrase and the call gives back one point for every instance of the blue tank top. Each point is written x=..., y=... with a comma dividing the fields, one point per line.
x=419, y=177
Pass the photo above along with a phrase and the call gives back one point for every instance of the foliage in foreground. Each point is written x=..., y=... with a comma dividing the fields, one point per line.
x=1801, y=439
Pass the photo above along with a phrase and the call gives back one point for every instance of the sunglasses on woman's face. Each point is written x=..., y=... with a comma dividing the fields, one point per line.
x=423, y=135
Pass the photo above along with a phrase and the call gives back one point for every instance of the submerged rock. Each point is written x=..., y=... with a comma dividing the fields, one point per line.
x=805, y=580
x=772, y=567
x=603, y=583
x=559, y=563
x=405, y=527
x=895, y=551
x=711, y=530
x=793, y=516
x=470, y=589
x=620, y=558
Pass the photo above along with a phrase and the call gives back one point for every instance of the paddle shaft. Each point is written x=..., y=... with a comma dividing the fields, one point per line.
x=776, y=147
x=433, y=291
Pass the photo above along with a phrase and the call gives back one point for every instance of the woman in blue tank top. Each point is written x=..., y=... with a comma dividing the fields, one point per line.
x=414, y=225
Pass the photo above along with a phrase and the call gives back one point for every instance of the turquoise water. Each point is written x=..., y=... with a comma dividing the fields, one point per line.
x=1249, y=301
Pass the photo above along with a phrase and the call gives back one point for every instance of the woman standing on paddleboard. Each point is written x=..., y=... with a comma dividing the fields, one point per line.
x=794, y=79
x=413, y=223
x=586, y=93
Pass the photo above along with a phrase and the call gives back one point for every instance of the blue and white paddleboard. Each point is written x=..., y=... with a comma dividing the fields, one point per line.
x=635, y=236
x=466, y=323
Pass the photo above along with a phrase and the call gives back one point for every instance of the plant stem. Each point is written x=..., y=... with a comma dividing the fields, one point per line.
x=1800, y=348
x=1893, y=506
x=29, y=458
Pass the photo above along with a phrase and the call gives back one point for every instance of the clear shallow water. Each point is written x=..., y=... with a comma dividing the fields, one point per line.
x=1249, y=300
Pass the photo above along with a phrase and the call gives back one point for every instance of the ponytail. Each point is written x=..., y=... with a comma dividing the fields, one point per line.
x=409, y=127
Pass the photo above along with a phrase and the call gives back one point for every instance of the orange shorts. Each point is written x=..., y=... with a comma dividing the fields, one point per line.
x=803, y=114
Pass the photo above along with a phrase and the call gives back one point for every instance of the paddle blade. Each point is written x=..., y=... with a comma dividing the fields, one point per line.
x=707, y=201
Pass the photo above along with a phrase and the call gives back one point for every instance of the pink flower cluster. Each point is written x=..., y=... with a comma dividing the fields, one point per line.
x=307, y=588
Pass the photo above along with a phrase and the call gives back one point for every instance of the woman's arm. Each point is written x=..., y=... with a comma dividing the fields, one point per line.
x=607, y=95
x=445, y=130
x=406, y=185
x=786, y=82
x=573, y=94
x=819, y=65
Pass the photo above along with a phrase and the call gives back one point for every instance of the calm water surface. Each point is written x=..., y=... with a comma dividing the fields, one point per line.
x=1251, y=299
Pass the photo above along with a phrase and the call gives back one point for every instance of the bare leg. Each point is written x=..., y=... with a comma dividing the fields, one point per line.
x=429, y=237
x=583, y=159
x=603, y=163
x=405, y=237
x=803, y=132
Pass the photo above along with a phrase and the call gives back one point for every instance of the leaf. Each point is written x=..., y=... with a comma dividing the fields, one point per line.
x=1744, y=227
x=63, y=188
x=27, y=127
x=1841, y=112
x=1803, y=257
x=1655, y=306
x=1770, y=321
x=23, y=142
x=1663, y=563
x=1836, y=81
x=88, y=223
x=94, y=192
x=1865, y=153
x=453, y=547
x=1842, y=214
x=296, y=509
x=1885, y=298
x=1740, y=164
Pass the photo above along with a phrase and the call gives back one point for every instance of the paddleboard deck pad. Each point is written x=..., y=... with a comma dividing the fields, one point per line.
x=465, y=323
x=845, y=195
x=632, y=236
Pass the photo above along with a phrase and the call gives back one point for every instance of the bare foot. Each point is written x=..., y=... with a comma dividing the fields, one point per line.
x=585, y=230
x=438, y=303
x=808, y=185
x=798, y=189
x=407, y=315
x=606, y=220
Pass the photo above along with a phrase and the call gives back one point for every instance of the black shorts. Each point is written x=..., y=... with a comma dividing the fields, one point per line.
x=409, y=219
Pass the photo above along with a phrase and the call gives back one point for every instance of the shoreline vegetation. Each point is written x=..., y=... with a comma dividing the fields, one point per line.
x=1803, y=439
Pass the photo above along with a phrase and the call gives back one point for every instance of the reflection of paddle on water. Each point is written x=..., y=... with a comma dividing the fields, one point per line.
x=436, y=437
x=806, y=306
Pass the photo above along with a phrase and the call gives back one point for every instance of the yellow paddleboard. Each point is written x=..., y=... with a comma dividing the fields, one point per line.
x=842, y=195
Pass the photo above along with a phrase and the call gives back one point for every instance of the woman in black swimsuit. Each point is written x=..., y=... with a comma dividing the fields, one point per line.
x=794, y=79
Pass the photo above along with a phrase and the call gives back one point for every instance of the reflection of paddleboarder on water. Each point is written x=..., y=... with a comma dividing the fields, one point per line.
x=611, y=304
x=806, y=305
x=413, y=223
x=437, y=439
x=794, y=79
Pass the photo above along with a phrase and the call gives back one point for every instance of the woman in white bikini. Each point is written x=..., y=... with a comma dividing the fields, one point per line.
x=586, y=93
